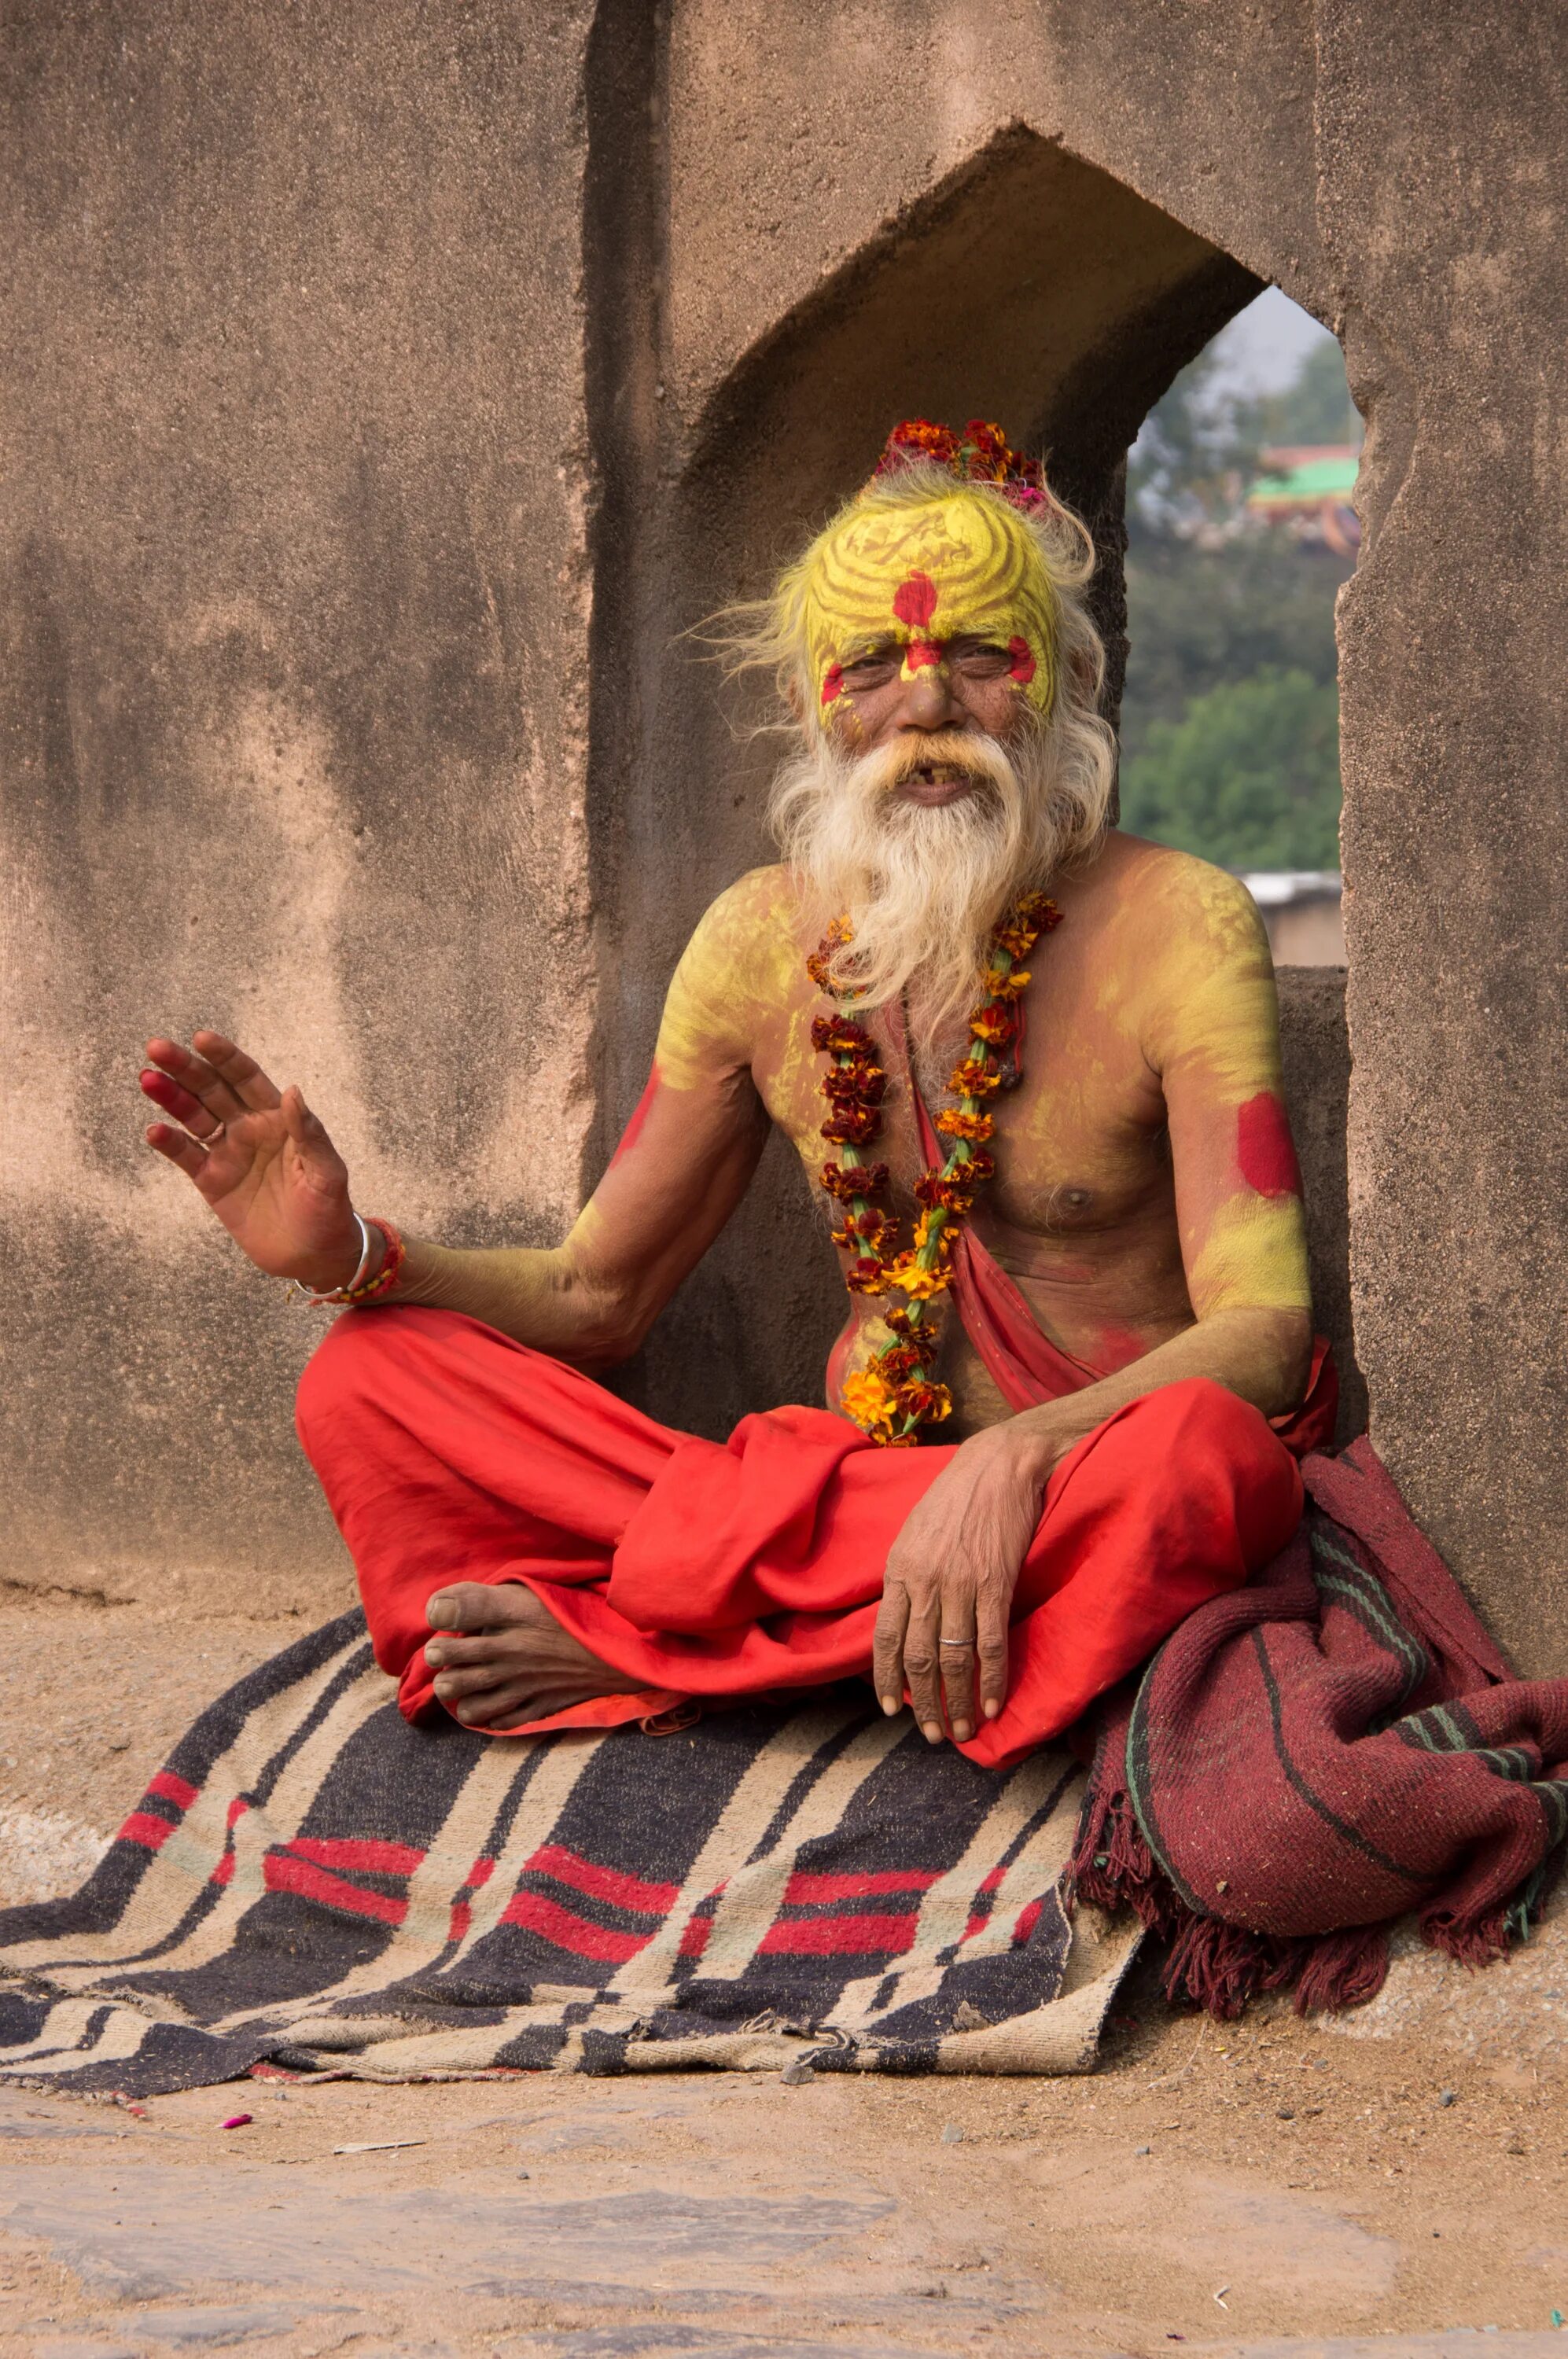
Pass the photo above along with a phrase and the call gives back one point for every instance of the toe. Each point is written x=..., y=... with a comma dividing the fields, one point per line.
x=510, y=1702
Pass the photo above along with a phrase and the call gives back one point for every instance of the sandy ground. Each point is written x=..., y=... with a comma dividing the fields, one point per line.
x=1393, y=2183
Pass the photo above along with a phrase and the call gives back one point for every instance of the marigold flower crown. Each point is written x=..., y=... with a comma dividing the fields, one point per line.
x=981, y=453
x=897, y=1394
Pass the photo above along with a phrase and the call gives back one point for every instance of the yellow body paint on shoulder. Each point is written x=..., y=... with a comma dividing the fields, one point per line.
x=738, y=968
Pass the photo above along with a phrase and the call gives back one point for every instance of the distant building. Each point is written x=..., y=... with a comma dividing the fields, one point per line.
x=1302, y=911
x=1309, y=489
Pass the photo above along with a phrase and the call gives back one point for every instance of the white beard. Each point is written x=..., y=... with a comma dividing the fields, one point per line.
x=922, y=885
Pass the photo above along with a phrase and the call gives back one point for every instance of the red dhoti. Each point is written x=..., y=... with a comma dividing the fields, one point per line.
x=703, y=1569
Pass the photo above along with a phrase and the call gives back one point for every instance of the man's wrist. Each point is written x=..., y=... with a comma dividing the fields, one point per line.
x=358, y=1263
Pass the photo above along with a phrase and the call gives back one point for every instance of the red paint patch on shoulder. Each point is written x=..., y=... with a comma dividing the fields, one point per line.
x=1022, y=667
x=1264, y=1148
x=640, y=1116
x=914, y=601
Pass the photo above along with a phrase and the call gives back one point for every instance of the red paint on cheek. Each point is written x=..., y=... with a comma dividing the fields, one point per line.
x=914, y=601
x=633, y=1130
x=1022, y=667
x=921, y=652
x=832, y=682
x=1263, y=1149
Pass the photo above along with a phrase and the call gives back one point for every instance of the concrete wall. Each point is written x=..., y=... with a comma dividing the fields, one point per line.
x=384, y=388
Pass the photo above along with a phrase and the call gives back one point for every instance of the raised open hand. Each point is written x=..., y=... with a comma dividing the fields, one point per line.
x=259, y=1157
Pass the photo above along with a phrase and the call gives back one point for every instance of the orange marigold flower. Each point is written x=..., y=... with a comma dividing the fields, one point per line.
x=1004, y=986
x=899, y=1440
x=919, y=1284
x=869, y=1400
x=901, y=1361
x=955, y=1125
x=865, y=1275
x=921, y=1398
x=974, y=1079
x=980, y=1166
x=840, y=1034
x=817, y=966
x=996, y=1025
x=929, y=1227
x=844, y=1181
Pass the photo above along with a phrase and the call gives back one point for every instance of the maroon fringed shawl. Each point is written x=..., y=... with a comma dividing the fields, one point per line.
x=1313, y=1756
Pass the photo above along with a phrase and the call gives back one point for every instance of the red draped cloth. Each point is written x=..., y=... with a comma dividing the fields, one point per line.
x=710, y=1569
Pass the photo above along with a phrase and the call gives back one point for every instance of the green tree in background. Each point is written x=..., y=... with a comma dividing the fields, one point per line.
x=1252, y=766
x=1229, y=727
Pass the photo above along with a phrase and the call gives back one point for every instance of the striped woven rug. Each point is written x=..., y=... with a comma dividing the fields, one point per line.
x=312, y=1885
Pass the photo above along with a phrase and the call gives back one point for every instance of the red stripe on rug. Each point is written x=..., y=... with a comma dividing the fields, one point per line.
x=281, y=1874
x=610, y=1883
x=535, y=1914
x=145, y=1827
x=461, y=1918
x=1028, y=1919
x=696, y=1937
x=817, y=1936
x=359, y=1851
x=173, y=1789
x=225, y=1871
x=237, y=1809
x=808, y=1891
x=480, y=1873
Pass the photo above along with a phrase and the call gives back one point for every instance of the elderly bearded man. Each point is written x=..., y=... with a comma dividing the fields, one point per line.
x=1058, y=1164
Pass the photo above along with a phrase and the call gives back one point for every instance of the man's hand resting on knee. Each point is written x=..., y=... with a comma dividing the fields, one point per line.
x=948, y=1590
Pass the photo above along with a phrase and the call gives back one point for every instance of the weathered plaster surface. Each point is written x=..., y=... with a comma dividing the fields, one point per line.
x=383, y=391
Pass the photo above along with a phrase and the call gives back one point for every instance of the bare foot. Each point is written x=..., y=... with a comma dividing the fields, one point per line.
x=512, y=1660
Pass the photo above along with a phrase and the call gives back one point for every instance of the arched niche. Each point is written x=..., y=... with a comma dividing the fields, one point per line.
x=1030, y=286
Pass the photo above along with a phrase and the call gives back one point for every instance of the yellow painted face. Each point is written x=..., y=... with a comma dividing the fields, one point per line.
x=963, y=567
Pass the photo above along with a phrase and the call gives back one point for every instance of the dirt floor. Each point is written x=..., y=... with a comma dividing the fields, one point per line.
x=1393, y=2183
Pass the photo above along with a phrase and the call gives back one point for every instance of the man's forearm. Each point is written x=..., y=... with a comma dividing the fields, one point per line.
x=1263, y=1356
x=538, y=1296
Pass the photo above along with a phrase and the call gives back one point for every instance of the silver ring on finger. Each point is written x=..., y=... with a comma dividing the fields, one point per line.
x=955, y=1642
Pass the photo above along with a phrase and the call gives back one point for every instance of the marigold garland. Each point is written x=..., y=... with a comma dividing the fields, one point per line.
x=897, y=1394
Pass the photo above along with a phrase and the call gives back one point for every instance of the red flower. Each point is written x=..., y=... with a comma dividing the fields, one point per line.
x=857, y=1084
x=994, y=1024
x=922, y=1400
x=839, y=1033
x=974, y=1079
x=940, y=1194
x=853, y=1127
x=867, y=1179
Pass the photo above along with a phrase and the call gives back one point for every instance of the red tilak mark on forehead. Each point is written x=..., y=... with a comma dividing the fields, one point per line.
x=1022, y=666
x=920, y=652
x=832, y=682
x=914, y=601
x=1264, y=1148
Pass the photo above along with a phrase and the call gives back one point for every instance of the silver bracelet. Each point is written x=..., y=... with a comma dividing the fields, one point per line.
x=301, y=1294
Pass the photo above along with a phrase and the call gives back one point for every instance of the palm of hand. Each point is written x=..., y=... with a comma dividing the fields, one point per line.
x=259, y=1156
x=277, y=1202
